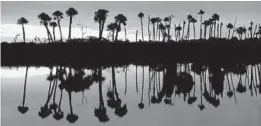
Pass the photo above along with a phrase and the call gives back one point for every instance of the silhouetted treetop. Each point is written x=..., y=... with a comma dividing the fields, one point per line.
x=57, y=15
x=71, y=12
x=22, y=20
x=53, y=24
x=201, y=12
x=45, y=18
x=120, y=18
x=140, y=15
x=100, y=15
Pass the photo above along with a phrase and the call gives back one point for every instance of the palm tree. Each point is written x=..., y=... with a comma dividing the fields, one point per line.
x=229, y=26
x=70, y=13
x=149, y=26
x=162, y=28
x=141, y=15
x=58, y=15
x=23, y=109
x=220, y=35
x=153, y=21
x=71, y=117
x=53, y=24
x=178, y=29
x=251, y=29
x=215, y=18
x=22, y=21
x=45, y=19
x=167, y=21
x=101, y=111
x=100, y=17
x=184, y=23
x=244, y=31
x=193, y=21
x=119, y=19
x=189, y=17
x=239, y=31
x=112, y=27
x=201, y=12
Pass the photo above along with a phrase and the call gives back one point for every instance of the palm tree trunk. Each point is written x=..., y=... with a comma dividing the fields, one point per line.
x=228, y=34
x=188, y=31
x=100, y=30
x=142, y=29
x=194, y=30
x=100, y=87
x=154, y=32
x=214, y=29
x=25, y=85
x=126, y=84
x=220, y=36
x=49, y=34
x=125, y=33
x=113, y=32
x=54, y=33
x=137, y=79
x=142, y=86
x=70, y=102
x=23, y=32
x=149, y=27
x=217, y=30
x=61, y=96
x=136, y=36
x=205, y=32
x=70, y=25
x=102, y=27
x=200, y=26
x=61, y=35
x=183, y=28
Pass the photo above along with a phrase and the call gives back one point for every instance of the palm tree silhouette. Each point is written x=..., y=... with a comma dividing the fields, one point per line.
x=70, y=13
x=244, y=30
x=45, y=19
x=178, y=29
x=58, y=15
x=239, y=31
x=112, y=27
x=59, y=114
x=201, y=106
x=251, y=29
x=45, y=111
x=23, y=109
x=141, y=15
x=229, y=26
x=215, y=18
x=101, y=111
x=206, y=23
x=201, y=12
x=189, y=17
x=153, y=21
x=100, y=17
x=162, y=28
x=141, y=105
x=184, y=23
x=220, y=35
x=22, y=21
x=71, y=117
x=119, y=19
x=53, y=24
x=193, y=21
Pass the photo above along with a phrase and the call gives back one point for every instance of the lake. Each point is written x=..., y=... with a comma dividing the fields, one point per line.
x=178, y=94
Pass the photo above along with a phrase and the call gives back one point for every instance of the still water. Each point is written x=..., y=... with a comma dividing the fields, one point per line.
x=131, y=95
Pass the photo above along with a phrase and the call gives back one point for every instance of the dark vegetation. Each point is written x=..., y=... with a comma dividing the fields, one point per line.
x=98, y=53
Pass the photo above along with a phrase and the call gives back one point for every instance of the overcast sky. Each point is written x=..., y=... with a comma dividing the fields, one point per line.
x=11, y=11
